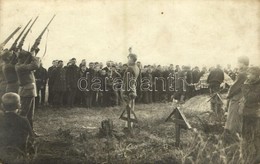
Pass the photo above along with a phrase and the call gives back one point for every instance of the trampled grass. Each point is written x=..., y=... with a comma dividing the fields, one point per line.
x=72, y=136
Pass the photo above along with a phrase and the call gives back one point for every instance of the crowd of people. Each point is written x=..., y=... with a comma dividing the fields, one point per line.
x=156, y=83
x=25, y=80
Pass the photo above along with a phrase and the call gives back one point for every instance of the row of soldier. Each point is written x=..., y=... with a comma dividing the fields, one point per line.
x=18, y=88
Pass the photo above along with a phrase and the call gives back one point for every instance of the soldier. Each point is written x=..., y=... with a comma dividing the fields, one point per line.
x=129, y=81
x=3, y=83
x=27, y=87
x=250, y=106
x=234, y=119
x=72, y=77
x=9, y=72
x=50, y=80
x=14, y=129
x=41, y=77
x=59, y=84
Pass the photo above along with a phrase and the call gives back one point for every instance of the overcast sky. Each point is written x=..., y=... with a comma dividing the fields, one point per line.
x=179, y=32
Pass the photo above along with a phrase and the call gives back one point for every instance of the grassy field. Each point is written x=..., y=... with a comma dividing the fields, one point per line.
x=72, y=136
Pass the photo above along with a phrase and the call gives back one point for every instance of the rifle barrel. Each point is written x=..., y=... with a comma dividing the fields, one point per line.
x=10, y=36
x=38, y=40
x=15, y=42
x=20, y=45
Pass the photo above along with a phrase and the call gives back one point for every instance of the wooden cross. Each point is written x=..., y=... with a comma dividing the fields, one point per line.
x=129, y=110
x=180, y=123
x=216, y=103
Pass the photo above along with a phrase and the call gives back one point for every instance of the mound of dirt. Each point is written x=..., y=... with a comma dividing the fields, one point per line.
x=198, y=103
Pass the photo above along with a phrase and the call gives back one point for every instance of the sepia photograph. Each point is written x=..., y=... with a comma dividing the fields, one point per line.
x=130, y=82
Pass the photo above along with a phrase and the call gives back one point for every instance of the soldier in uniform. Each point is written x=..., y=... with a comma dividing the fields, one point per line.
x=41, y=79
x=27, y=86
x=9, y=72
x=129, y=81
x=3, y=83
x=14, y=129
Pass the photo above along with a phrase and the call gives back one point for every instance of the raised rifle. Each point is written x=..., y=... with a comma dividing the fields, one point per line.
x=37, y=42
x=13, y=47
x=9, y=37
x=20, y=45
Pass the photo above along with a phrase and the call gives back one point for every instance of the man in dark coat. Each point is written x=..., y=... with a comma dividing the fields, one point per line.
x=9, y=71
x=215, y=78
x=14, y=129
x=89, y=75
x=50, y=80
x=81, y=95
x=59, y=84
x=146, y=86
x=27, y=86
x=72, y=77
x=41, y=77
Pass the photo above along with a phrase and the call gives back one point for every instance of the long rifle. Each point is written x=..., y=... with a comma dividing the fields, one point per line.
x=13, y=47
x=37, y=42
x=9, y=37
x=20, y=45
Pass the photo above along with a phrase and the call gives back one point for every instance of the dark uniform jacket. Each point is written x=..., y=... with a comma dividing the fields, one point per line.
x=72, y=76
x=14, y=131
x=2, y=81
x=216, y=75
x=26, y=77
x=196, y=76
x=50, y=69
x=59, y=79
x=11, y=78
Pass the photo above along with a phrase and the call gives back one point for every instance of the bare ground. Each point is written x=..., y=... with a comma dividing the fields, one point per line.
x=72, y=136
